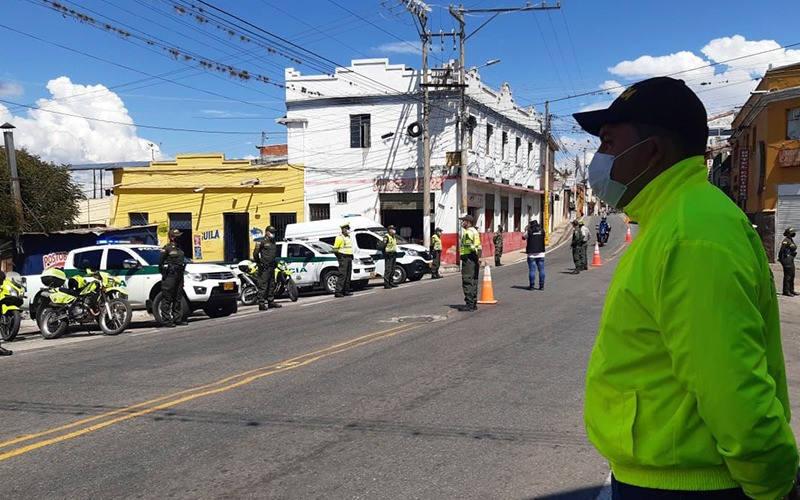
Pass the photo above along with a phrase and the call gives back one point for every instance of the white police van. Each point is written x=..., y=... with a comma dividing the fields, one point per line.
x=413, y=260
x=210, y=287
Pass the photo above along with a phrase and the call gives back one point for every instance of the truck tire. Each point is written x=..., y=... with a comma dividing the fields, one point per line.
x=157, y=304
x=329, y=280
x=399, y=275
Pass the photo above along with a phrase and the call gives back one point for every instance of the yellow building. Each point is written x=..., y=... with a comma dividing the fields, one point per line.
x=220, y=205
x=766, y=155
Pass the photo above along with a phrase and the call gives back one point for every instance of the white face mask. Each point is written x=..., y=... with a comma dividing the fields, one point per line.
x=606, y=188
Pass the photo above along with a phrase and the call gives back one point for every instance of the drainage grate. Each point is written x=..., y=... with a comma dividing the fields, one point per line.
x=415, y=319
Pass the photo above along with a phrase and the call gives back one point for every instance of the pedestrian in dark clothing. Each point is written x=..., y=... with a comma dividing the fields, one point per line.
x=265, y=257
x=171, y=265
x=498, y=245
x=436, y=252
x=576, y=244
x=786, y=256
x=534, y=247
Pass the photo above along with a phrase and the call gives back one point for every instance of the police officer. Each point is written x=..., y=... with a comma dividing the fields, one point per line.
x=3, y=351
x=343, y=248
x=577, y=241
x=498, y=245
x=786, y=255
x=171, y=265
x=436, y=252
x=390, y=252
x=470, y=262
x=266, y=259
x=585, y=235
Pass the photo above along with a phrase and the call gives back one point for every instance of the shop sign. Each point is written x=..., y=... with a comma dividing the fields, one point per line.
x=405, y=184
x=789, y=157
x=475, y=199
x=55, y=259
x=744, y=172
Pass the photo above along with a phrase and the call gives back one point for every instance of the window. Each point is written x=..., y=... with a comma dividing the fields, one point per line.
x=89, y=259
x=298, y=251
x=138, y=218
x=359, y=131
x=517, y=147
x=182, y=221
x=489, y=132
x=319, y=211
x=504, y=212
x=530, y=154
x=341, y=197
x=115, y=259
x=330, y=240
x=503, y=144
x=488, y=212
x=366, y=241
x=793, y=123
x=471, y=124
x=517, y=214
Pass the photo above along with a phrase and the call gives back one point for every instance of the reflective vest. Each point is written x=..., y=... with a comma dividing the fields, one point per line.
x=470, y=241
x=343, y=245
x=437, y=242
x=391, y=243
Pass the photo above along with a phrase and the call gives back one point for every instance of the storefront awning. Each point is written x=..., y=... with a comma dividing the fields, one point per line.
x=508, y=187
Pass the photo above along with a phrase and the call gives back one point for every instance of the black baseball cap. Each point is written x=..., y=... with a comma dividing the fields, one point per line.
x=664, y=102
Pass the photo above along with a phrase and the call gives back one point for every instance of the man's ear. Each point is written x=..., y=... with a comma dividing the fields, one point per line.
x=660, y=150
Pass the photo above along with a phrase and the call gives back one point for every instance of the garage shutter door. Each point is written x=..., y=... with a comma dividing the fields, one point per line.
x=788, y=210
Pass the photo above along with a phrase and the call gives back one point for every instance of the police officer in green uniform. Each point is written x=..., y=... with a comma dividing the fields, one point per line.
x=498, y=246
x=576, y=243
x=171, y=265
x=390, y=253
x=470, y=262
x=436, y=252
x=786, y=256
x=265, y=257
x=343, y=248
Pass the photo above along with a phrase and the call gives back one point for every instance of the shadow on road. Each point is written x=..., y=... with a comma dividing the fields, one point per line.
x=583, y=493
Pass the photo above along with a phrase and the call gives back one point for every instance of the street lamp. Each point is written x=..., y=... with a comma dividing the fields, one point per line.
x=487, y=63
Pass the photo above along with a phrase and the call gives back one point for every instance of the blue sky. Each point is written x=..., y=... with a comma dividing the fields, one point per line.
x=82, y=68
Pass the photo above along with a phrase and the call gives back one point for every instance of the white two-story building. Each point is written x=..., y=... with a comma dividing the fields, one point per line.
x=358, y=134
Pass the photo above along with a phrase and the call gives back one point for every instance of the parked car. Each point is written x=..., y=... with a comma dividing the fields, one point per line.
x=413, y=260
x=210, y=287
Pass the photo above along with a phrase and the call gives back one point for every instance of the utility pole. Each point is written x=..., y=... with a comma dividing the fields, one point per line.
x=458, y=14
x=420, y=9
x=16, y=192
x=546, y=168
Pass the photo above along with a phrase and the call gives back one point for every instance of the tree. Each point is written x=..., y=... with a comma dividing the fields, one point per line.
x=50, y=196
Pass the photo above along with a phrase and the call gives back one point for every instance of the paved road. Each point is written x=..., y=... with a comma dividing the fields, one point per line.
x=386, y=394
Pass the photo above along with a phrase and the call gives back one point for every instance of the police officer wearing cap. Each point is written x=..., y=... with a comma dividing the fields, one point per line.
x=267, y=261
x=343, y=248
x=171, y=264
x=786, y=256
x=470, y=262
x=686, y=389
x=436, y=252
x=389, y=245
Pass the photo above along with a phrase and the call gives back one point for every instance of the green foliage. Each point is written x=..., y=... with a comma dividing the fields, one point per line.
x=50, y=196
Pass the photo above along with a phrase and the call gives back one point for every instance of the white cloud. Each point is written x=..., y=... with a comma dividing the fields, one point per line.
x=71, y=139
x=399, y=48
x=10, y=89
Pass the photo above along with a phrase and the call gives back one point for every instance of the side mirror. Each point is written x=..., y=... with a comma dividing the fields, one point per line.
x=131, y=264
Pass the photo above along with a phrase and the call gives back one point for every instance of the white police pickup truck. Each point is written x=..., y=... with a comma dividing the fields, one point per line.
x=314, y=264
x=210, y=287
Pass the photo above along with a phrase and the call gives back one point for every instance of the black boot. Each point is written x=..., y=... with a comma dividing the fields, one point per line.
x=273, y=305
x=5, y=352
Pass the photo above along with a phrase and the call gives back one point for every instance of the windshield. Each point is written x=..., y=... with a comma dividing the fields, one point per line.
x=149, y=254
x=320, y=246
x=381, y=231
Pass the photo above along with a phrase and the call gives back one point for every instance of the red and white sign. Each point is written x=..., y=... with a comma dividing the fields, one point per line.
x=789, y=157
x=405, y=184
x=744, y=172
x=55, y=259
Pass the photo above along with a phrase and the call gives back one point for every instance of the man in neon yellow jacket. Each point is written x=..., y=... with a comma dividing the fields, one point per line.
x=686, y=387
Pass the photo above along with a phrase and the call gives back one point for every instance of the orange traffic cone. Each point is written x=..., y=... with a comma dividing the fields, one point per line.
x=628, y=238
x=596, y=260
x=487, y=292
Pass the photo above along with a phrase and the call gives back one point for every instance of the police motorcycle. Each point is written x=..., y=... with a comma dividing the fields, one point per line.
x=248, y=276
x=12, y=293
x=101, y=299
x=603, y=230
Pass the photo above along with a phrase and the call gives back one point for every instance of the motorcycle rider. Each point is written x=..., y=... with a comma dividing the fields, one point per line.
x=3, y=351
x=266, y=258
x=171, y=265
x=603, y=228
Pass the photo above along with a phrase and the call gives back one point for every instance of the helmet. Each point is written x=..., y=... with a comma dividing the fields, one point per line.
x=271, y=229
x=246, y=265
x=789, y=230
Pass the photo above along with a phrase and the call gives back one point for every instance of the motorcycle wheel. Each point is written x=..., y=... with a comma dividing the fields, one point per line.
x=249, y=295
x=120, y=317
x=50, y=326
x=9, y=324
x=291, y=288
